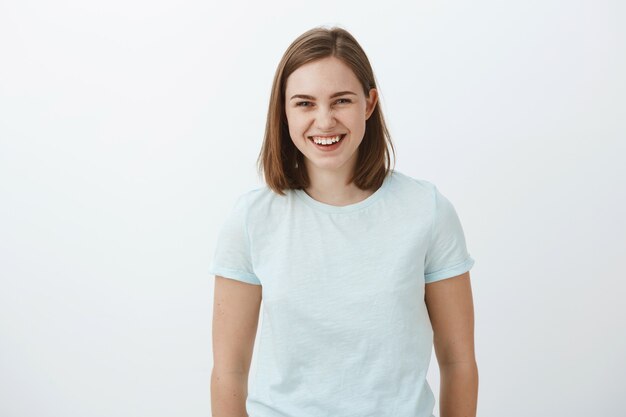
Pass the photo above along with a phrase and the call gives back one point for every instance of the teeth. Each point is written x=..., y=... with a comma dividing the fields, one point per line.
x=326, y=141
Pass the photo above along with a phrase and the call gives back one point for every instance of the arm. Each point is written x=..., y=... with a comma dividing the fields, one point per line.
x=451, y=311
x=235, y=318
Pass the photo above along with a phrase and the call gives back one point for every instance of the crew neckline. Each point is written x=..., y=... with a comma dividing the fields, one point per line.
x=329, y=208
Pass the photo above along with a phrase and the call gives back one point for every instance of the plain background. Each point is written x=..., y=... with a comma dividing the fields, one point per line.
x=128, y=128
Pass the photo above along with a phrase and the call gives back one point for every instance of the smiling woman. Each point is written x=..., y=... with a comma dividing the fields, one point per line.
x=324, y=86
x=360, y=268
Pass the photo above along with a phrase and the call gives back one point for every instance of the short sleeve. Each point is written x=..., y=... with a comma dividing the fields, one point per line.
x=447, y=254
x=232, y=258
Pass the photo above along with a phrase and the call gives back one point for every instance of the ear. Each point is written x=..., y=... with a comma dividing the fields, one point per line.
x=371, y=103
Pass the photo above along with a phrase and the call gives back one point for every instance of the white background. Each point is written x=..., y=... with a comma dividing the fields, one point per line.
x=127, y=129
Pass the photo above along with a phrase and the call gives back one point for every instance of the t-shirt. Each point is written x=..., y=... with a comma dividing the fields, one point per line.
x=345, y=329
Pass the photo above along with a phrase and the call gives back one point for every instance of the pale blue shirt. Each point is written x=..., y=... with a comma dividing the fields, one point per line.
x=345, y=329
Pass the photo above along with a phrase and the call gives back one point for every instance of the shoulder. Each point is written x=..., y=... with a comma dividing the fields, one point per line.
x=249, y=197
x=261, y=201
x=412, y=188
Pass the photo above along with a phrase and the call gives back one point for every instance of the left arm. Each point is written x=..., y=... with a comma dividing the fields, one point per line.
x=451, y=311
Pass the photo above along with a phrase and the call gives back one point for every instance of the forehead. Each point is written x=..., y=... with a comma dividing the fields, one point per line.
x=322, y=76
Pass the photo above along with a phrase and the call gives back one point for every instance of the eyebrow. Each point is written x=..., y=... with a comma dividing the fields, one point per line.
x=340, y=93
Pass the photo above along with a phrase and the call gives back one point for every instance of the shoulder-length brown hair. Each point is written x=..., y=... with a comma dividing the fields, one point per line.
x=280, y=161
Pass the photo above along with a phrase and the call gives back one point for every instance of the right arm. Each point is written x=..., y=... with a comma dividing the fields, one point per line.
x=236, y=308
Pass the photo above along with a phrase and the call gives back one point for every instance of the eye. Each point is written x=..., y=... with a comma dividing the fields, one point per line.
x=307, y=103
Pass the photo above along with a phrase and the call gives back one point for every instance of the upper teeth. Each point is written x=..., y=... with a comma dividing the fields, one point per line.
x=326, y=140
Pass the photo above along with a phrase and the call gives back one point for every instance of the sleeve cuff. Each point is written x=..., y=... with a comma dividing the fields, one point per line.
x=235, y=274
x=450, y=272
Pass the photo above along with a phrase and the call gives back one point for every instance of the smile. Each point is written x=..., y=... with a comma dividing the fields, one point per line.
x=326, y=140
x=327, y=144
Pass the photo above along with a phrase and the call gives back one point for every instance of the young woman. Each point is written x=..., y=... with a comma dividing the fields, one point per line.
x=360, y=268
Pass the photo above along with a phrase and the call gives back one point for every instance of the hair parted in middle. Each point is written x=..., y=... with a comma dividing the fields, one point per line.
x=280, y=161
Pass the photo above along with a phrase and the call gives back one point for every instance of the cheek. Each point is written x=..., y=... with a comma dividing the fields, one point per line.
x=296, y=124
x=356, y=121
x=293, y=130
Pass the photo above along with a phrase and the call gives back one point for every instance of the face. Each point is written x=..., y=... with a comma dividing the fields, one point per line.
x=324, y=99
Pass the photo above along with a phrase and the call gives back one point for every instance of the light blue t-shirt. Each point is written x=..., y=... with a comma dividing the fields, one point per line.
x=345, y=329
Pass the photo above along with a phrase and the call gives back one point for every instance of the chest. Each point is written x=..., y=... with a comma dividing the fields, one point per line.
x=341, y=258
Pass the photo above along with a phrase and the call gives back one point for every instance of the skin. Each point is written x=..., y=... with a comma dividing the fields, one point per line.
x=236, y=308
x=325, y=115
x=451, y=311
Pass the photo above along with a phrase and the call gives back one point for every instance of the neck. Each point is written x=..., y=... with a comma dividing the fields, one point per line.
x=332, y=187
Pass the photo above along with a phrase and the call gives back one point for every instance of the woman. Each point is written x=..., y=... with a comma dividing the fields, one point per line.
x=360, y=268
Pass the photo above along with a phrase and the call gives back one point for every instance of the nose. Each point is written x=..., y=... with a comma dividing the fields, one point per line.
x=325, y=119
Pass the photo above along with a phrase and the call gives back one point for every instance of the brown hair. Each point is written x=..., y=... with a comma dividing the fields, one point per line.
x=280, y=161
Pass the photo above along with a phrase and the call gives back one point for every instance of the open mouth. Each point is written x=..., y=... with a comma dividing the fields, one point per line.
x=328, y=143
